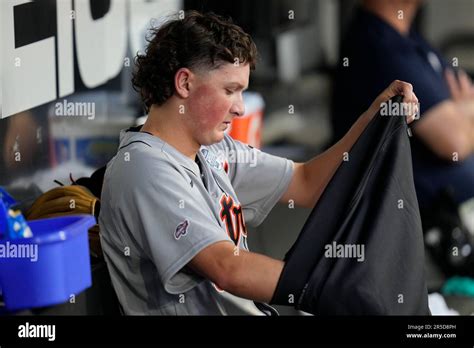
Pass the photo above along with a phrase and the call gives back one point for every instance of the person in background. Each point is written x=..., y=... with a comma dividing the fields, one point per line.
x=381, y=45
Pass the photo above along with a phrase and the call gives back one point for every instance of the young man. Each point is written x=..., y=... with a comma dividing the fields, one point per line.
x=174, y=203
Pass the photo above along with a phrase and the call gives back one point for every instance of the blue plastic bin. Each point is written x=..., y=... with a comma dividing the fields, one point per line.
x=62, y=267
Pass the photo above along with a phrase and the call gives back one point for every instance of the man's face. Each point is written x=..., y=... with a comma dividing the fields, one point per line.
x=214, y=100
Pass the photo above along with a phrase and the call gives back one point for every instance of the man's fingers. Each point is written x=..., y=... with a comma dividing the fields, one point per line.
x=452, y=84
x=461, y=86
x=407, y=92
x=403, y=88
x=410, y=119
x=465, y=83
x=410, y=101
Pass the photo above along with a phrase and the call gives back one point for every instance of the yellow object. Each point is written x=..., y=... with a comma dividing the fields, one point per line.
x=63, y=200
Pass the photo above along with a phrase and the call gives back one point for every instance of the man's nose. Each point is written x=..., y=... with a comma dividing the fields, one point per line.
x=238, y=108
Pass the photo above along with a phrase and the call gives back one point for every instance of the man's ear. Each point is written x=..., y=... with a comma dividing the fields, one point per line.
x=182, y=80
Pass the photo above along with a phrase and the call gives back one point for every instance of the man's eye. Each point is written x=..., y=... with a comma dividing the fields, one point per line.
x=228, y=91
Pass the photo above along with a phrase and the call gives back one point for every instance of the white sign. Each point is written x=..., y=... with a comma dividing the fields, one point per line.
x=32, y=75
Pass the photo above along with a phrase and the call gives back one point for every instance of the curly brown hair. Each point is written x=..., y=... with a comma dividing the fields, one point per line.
x=196, y=41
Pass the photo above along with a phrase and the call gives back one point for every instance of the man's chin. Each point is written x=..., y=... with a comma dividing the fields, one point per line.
x=214, y=139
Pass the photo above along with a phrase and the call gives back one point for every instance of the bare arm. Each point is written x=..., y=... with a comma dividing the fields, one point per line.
x=311, y=178
x=448, y=128
x=242, y=273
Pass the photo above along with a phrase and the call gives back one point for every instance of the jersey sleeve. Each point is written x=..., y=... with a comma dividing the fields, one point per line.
x=258, y=178
x=176, y=223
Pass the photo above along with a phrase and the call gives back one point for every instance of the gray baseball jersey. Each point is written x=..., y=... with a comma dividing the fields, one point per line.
x=158, y=211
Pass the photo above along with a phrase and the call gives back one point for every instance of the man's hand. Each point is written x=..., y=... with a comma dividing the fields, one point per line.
x=311, y=178
x=461, y=88
x=462, y=92
x=396, y=88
